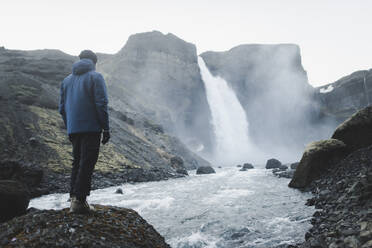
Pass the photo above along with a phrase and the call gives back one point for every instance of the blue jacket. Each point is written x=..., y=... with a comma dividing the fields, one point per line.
x=83, y=102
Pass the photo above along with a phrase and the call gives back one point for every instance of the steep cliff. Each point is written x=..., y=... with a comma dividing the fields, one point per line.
x=347, y=95
x=34, y=135
x=272, y=87
x=158, y=76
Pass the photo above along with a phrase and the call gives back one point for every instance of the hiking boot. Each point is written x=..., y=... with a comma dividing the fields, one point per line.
x=80, y=207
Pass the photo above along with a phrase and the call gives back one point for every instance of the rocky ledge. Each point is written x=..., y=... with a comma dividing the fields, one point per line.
x=343, y=199
x=105, y=227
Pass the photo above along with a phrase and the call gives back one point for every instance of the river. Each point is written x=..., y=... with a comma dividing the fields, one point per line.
x=231, y=208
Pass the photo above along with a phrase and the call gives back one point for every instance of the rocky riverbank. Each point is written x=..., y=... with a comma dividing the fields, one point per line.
x=338, y=172
x=343, y=199
x=105, y=227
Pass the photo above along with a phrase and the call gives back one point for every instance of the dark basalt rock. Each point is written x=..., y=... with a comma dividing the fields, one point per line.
x=119, y=191
x=205, y=170
x=14, y=199
x=248, y=166
x=29, y=174
x=105, y=227
x=356, y=132
x=273, y=163
x=317, y=158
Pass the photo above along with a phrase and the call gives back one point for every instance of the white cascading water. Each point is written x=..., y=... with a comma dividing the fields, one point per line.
x=229, y=121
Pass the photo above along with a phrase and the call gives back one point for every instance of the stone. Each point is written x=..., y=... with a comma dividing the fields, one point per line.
x=356, y=132
x=273, y=163
x=119, y=191
x=105, y=227
x=205, y=170
x=317, y=158
x=14, y=199
x=248, y=166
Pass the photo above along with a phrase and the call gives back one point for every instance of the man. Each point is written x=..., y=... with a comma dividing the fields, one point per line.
x=83, y=106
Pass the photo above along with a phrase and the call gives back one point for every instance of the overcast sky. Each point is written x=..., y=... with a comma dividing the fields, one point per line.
x=335, y=36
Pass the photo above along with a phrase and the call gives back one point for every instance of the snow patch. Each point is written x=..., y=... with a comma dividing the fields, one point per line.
x=326, y=89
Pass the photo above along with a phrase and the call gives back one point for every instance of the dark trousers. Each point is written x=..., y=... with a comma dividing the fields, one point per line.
x=85, y=149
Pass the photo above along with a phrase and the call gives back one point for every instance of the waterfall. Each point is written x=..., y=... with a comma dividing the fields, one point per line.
x=229, y=121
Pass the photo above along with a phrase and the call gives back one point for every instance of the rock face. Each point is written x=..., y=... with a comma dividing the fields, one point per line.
x=317, y=158
x=14, y=199
x=356, y=132
x=273, y=163
x=347, y=95
x=34, y=134
x=205, y=170
x=105, y=227
x=29, y=174
x=342, y=197
x=158, y=76
x=269, y=81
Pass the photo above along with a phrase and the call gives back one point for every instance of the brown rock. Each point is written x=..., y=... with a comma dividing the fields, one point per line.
x=317, y=158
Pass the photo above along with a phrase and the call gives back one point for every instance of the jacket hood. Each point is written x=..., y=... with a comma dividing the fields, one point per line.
x=82, y=66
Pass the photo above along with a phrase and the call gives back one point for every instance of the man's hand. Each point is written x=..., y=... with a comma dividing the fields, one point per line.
x=70, y=138
x=105, y=136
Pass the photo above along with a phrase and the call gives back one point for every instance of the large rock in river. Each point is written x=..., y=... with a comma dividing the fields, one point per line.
x=317, y=158
x=14, y=199
x=105, y=227
x=273, y=163
x=205, y=170
x=356, y=132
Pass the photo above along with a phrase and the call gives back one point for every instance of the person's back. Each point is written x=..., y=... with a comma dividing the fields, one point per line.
x=83, y=106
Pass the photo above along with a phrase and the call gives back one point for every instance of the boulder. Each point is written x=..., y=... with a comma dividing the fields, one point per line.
x=106, y=227
x=119, y=191
x=205, y=170
x=248, y=166
x=356, y=132
x=317, y=158
x=273, y=163
x=14, y=199
x=29, y=174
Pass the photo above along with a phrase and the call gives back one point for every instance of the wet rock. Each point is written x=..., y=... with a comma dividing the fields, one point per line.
x=273, y=163
x=182, y=171
x=14, y=199
x=356, y=132
x=248, y=166
x=317, y=158
x=29, y=174
x=105, y=227
x=205, y=170
x=119, y=191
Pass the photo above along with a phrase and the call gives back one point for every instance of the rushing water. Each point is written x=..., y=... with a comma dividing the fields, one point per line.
x=230, y=124
x=231, y=208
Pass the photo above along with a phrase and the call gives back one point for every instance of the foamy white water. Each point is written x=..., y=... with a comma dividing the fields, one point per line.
x=229, y=121
x=222, y=210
